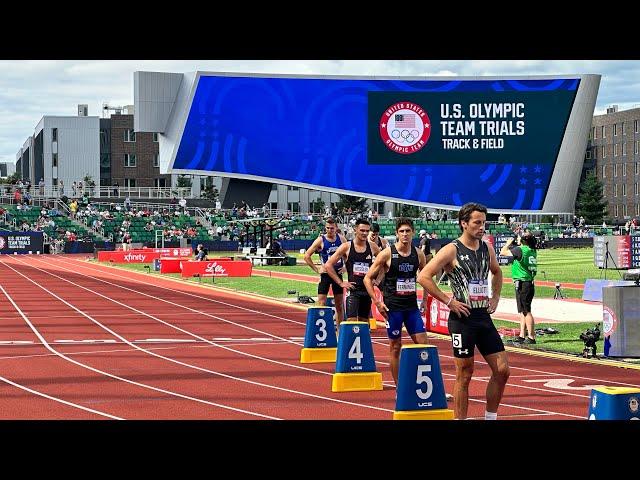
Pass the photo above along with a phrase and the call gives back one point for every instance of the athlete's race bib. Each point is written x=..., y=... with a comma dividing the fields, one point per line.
x=360, y=268
x=405, y=286
x=478, y=290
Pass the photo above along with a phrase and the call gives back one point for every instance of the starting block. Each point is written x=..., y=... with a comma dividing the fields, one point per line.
x=355, y=364
x=420, y=394
x=319, y=337
x=614, y=403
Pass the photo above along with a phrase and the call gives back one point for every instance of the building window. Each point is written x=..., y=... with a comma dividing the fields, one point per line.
x=615, y=129
x=624, y=169
x=129, y=182
x=156, y=159
x=615, y=169
x=604, y=190
x=604, y=132
x=291, y=188
x=624, y=210
x=159, y=182
x=624, y=149
x=624, y=189
x=604, y=151
x=594, y=133
x=616, y=210
x=293, y=207
x=129, y=159
x=615, y=190
x=615, y=149
x=635, y=126
x=636, y=147
x=129, y=135
x=624, y=130
x=155, y=136
x=635, y=188
x=637, y=208
x=54, y=134
x=604, y=171
x=54, y=159
x=637, y=168
x=588, y=154
x=273, y=205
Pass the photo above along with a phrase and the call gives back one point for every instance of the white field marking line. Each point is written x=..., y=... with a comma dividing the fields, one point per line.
x=175, y=327
x=327, y=373
x=106, y=270
x=516, y=416
x=119, y=350
x=195, y=367
x=59, y=400
x=526, y=387
x=80, y=364
x=252, y=341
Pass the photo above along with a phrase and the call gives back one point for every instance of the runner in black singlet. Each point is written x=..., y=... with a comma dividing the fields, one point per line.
x=401, y=263
x=467, y=261
x=358, y=256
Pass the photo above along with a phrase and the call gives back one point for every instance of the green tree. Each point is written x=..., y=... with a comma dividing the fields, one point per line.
x=317, y=206
x=591, y=203
x=408, y=211
x=358, y=205
x=209, y=193
x=11, y=179
x=183, y=181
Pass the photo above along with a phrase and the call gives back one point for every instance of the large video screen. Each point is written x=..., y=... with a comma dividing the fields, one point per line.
x=425, y=142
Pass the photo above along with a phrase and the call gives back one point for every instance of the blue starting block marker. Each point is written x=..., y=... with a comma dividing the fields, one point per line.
x=319, y=337
x=614, y=403
x=355, y=364
x=420, y=393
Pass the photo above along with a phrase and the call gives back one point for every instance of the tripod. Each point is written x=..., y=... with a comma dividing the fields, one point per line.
x=608, y=256
x=558, y=293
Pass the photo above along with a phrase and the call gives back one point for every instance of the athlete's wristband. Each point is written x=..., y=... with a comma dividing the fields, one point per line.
x=449, y=301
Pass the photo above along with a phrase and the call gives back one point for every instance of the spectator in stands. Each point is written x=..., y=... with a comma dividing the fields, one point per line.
x=201, y=253
x=41, y=186
x=127, y=203
x=116, y=191
x=276, y=249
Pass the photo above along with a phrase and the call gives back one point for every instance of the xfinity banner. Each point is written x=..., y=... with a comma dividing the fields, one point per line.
x=433, y=142
x=21, y=242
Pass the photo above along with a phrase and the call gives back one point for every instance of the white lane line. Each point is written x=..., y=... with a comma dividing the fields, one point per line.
x=195, y=367
x=260, y=313
x=80, y=364
x=59, y=400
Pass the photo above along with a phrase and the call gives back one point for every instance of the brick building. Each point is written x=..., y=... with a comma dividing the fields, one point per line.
x=134, y=156
x=613, y=151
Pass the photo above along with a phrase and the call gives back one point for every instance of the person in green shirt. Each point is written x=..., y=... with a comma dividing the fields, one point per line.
x=523, y=270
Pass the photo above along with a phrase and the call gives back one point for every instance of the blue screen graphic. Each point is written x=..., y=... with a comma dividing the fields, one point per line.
x=491, y=141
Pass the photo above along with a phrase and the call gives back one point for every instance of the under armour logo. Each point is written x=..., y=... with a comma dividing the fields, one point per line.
x=465, y=351
x=464, y=257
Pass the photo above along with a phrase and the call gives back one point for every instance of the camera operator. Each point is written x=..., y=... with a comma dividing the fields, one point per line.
x=523, y=269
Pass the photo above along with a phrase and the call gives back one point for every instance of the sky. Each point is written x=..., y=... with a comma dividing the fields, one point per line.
x=30, y=89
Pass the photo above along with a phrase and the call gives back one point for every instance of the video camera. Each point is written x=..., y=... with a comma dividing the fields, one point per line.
x=590, y=336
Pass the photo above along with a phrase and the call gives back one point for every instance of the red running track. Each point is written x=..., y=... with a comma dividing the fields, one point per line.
x=80, y=340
